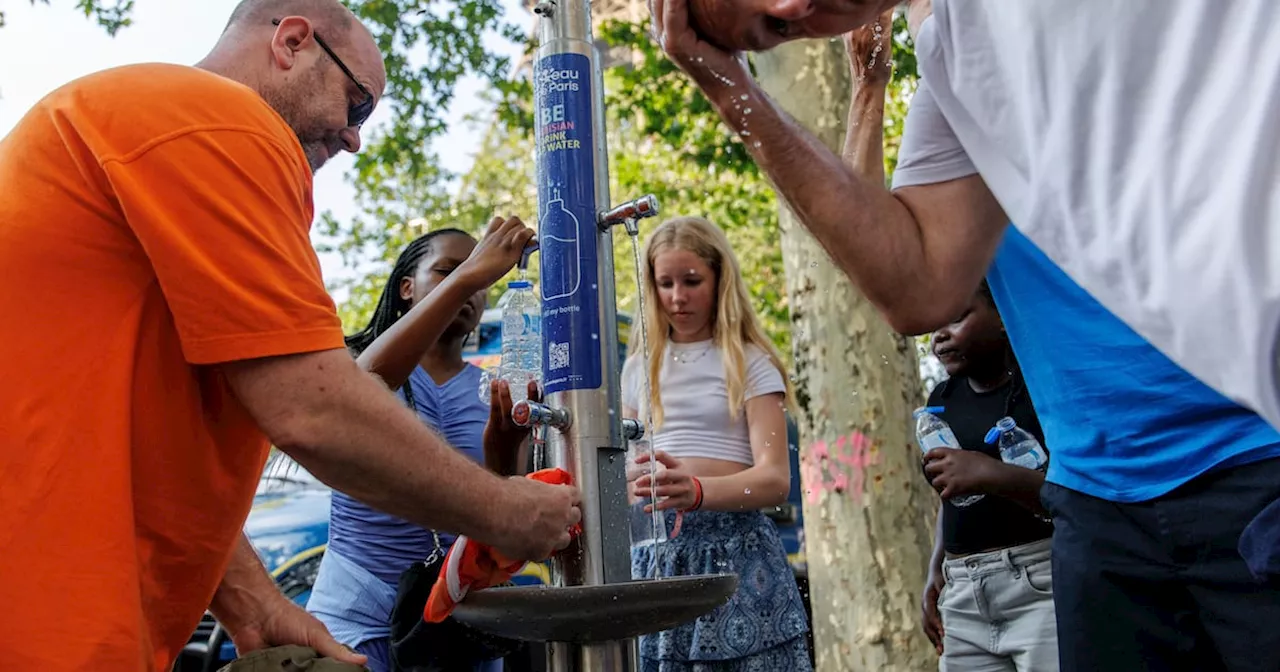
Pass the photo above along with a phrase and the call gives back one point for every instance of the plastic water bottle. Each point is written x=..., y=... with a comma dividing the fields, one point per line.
x=521, y=338
x=932, y=432
x=1017, y=446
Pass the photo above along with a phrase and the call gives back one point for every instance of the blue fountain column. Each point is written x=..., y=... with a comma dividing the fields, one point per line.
x=567, y=229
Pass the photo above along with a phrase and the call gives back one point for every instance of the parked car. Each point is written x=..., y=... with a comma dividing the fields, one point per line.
x=289, y=526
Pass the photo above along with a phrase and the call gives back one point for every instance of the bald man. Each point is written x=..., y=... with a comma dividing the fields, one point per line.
x=154, y=228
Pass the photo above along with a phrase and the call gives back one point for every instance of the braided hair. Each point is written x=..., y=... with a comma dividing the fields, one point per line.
x=391, y=306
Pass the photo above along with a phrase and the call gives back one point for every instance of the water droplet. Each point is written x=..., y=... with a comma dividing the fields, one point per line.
x=746, y=491
x=746, y=111
x=745, y=96
x=756, y=144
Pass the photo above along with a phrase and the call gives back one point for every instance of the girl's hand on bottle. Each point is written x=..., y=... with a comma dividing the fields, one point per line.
x=498, y=251
x=675, y=487
x=960, y=473
x=501, y=432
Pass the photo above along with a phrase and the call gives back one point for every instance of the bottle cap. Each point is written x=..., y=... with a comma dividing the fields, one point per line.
x=1006, y=423
x=935, y=409
x=519, y=284
x=993, y=436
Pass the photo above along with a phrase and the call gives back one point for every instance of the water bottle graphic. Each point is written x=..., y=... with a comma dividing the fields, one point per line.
x=1017, y=446
x=932, y=432
x=558, y=238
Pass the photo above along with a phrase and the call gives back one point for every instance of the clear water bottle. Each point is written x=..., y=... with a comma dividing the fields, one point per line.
x=1017, y=446
x=521, y=338
x=932, y=432
x=646, y=528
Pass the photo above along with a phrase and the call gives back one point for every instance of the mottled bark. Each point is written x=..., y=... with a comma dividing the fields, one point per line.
x=868, y=511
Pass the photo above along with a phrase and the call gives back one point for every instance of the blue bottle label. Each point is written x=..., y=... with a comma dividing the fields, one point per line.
x=567, y=223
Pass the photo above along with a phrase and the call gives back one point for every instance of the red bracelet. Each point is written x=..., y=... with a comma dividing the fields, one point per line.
x=697, y=498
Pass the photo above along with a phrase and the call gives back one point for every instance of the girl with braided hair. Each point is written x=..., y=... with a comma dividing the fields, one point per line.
x=431, y=303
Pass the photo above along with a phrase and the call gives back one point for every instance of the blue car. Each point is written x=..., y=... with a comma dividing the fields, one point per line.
x=289, y=526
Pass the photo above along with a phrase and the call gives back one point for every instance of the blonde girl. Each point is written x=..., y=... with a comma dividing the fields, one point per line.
x=717, y=400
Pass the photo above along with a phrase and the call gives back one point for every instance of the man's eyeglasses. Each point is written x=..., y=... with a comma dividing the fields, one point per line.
x=358, y=113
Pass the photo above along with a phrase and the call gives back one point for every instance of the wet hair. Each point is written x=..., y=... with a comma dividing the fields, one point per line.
x=391, y=306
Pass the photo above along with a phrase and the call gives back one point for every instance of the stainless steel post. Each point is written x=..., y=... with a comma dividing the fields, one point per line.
x=580, y=346
x=592, y=605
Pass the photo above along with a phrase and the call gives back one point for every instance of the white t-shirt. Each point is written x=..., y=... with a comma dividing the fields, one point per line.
x=695, y=400
x=1137, y=143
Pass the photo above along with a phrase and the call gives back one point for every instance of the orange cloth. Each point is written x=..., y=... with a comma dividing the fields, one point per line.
x=153, y=219
x=470, y=565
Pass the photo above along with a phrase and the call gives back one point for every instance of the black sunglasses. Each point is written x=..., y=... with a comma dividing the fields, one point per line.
x=356, y=114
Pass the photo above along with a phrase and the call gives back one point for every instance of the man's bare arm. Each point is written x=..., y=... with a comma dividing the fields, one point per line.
x=351, y=433
x=917, y=253
x=246, y=589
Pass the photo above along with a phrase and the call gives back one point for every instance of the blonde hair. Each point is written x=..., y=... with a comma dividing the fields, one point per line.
x=733, y=325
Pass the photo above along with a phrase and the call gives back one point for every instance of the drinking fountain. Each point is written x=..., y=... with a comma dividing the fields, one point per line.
x=592, y=611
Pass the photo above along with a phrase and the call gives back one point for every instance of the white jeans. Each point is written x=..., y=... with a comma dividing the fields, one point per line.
x=997, y=611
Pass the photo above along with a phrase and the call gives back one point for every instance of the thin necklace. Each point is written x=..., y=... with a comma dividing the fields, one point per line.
x=689, y=358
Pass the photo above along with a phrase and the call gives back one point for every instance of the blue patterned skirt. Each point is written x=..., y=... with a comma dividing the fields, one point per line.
x=762, y=627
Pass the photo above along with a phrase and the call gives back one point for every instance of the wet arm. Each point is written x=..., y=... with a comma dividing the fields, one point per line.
x=917, y=253
x=864, y=133
x=765, y=483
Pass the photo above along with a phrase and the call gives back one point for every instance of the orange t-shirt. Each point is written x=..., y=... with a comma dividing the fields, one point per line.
x=154, y=220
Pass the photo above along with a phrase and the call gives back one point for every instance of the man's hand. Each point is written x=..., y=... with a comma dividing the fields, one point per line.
x=710, y=66
x=283, y=623
x=538, y=518
x=257, y=616
x=930, y=618
x=956, y=473
x=497, y=252
x=870, y=50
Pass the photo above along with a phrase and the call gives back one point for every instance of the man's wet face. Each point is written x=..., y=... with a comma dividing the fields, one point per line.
x=759, y=25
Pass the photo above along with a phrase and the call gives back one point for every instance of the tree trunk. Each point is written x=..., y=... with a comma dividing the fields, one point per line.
x=868, y=511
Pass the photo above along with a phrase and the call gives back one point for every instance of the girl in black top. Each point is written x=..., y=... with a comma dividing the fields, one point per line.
x=983, y=386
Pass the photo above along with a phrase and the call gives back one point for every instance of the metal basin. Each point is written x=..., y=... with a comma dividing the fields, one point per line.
x=593, y=614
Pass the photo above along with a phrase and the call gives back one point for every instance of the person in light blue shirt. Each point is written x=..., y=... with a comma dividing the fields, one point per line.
x=431, y=303
x=1153, y=478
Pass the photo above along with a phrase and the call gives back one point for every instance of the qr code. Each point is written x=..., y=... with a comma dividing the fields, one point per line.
x=559, y=354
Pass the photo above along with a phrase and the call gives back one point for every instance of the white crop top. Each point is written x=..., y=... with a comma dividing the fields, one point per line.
x=695, y=400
